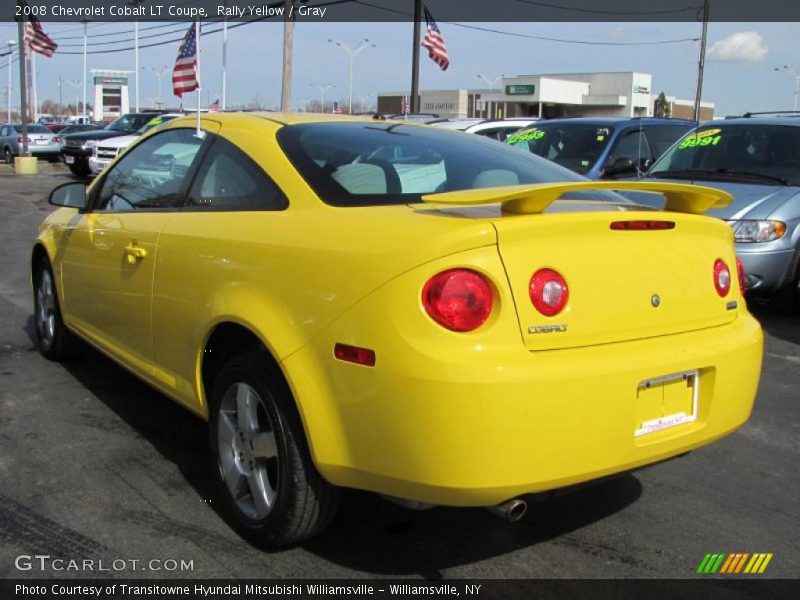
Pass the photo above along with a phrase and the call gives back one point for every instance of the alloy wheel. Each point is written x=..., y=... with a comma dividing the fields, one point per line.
x=247, y=451
x=46, y=313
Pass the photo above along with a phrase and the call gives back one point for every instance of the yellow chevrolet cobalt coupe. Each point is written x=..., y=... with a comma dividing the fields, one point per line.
x=425, y=314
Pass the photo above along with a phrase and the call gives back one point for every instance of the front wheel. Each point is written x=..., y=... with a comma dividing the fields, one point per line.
x=260, y=457
x=79, y=168
x=8, y=157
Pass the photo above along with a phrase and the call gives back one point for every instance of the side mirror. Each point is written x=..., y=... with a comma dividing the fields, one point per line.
x=71, y=195
x=619, y=166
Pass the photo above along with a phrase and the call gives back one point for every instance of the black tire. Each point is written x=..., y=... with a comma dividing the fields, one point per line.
x=279, y=462
x=8, y=157
x=53, y=159
x=79, y=168
x=53, y=340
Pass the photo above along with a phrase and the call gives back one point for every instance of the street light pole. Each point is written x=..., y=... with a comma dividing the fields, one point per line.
x=322, y=89
x=83, y=77
x=135, y=4
x=160, y=73
x=796, y=81
x=352, y=53
x=491, y=83
x=76, y=84
x=11, y=44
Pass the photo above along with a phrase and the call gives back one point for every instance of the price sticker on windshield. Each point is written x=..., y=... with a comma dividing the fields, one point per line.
x=709, y=137
x=155, y=121
x=526, y=136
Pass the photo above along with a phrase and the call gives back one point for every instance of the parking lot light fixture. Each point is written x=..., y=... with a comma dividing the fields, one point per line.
x=352, y=53
x=794, y=74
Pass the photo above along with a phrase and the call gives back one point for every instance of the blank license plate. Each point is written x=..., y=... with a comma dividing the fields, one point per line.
x=668, y=401
x=69, y=159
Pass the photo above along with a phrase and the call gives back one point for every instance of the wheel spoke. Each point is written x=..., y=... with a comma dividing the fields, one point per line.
x=261, y=492
x=263, y=445
x=245, y=407
x=234, y=478
x=226, y=431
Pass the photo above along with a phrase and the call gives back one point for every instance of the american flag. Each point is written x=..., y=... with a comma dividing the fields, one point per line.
x=184, y=75
x=434, y=42
x=214, y=106
x=337, y=110
x=35, y=37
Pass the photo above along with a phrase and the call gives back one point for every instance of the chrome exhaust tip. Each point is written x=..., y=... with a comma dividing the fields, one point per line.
x=510, y=510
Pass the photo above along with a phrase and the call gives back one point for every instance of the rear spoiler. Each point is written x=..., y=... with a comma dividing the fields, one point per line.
x=533, y=198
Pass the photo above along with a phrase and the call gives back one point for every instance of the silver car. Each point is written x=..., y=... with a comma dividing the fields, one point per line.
x=42, y=142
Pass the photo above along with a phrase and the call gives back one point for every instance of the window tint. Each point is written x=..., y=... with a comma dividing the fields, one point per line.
x=662, y=137
x=229, y=180
x=3, y=131
x=151, y=174
x=630, y=145
x=366, y=164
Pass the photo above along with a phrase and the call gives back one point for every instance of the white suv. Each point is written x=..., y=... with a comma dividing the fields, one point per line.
x=104, y=151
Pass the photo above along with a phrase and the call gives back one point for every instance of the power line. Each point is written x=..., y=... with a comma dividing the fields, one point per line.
x=536, y=37
x=612, y=12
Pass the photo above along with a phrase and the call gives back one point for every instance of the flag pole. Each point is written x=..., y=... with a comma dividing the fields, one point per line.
x=23, y=86
x=198, y=133
x=415, y=58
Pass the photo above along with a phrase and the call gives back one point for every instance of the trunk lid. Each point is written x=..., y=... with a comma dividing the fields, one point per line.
x=623, y=284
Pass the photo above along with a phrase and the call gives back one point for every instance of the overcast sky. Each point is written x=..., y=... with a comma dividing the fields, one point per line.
x=739, y=76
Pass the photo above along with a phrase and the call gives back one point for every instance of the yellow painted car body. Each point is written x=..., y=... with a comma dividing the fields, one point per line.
x=467, y=419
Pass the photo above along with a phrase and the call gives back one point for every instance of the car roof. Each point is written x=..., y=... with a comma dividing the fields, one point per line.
x=767, y=121
x=620, y=121
x=281, y=118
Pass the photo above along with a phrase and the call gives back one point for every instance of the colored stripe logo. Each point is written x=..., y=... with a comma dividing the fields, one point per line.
x=735, y=563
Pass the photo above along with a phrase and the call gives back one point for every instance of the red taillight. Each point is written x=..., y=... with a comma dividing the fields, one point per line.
x=741, y=274
x=722, y=277
x=458, y=299
x=56, y=140
x=642, y=225
x=354, y=354
x=548, y=291
x=19, y=140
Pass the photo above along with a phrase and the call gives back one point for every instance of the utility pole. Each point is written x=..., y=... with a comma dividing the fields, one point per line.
x=11, y=44
x=701, y=65
x=288, y=42
x=224, y=61
x=415, y=58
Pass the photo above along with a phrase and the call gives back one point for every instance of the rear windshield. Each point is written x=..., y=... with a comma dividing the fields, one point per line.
x=33, y=129
x=364, y=164
x=576, y=146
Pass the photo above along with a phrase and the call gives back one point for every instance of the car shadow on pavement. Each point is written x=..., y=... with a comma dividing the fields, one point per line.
x=779, y=325
x=369, y=534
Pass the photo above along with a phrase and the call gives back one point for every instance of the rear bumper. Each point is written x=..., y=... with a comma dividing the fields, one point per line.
x=508, y=422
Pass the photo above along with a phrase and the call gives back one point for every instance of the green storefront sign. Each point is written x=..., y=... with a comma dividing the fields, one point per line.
x=111, y=81
x=520, y=90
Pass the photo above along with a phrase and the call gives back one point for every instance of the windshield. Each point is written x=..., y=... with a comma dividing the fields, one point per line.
x=155, y=122
x=576, y=146
x=128, y=123
x=363, y=164
x=731, y=151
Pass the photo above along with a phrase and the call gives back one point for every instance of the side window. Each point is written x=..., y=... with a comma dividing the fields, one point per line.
x=151, y=174
x=3, y=131
x=229, y=180
x=630, y=145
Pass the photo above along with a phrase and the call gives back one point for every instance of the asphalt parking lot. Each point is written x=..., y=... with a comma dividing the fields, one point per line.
x=94, y=464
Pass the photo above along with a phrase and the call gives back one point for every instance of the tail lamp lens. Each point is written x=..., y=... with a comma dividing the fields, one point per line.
x=722, y=277
x=458, y=299
x=741, y=274
x=548, y=291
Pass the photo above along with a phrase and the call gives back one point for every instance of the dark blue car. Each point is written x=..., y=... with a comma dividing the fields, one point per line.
x=602, y=148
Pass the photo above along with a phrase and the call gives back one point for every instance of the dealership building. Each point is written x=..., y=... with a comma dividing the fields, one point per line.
x=610, y=94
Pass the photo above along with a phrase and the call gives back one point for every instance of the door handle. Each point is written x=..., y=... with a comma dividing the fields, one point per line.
x=134, y=252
